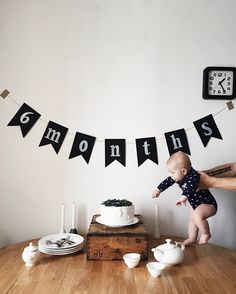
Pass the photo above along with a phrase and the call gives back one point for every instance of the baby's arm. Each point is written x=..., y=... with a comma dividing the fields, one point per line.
x=156, y=193
x=162, y=187
x=181, y=200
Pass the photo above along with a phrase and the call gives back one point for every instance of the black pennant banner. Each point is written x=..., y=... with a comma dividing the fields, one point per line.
x=146, y=149
x=54, y=135
x=114, y=150
x=207, y=128
x=177, y=141
x=25, y=118
x=82, y=145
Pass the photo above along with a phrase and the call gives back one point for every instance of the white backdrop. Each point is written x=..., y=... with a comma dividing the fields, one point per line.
x=111, y=69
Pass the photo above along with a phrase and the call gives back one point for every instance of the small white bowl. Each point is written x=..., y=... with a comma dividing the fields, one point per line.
x=131, y=259
x=155, y=268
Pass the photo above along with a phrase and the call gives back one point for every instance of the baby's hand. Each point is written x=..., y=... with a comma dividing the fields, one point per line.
x=156, y=193
x=182, y=200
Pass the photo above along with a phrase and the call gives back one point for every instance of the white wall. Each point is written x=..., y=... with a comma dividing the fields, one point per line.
x=112, y=69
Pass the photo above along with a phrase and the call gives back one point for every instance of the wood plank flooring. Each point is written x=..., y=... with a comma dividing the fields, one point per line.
x=205, y=269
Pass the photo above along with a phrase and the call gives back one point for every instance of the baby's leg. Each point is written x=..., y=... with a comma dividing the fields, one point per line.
x=200, y=215
x=192, y=230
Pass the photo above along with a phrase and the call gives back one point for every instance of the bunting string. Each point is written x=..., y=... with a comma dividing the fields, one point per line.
x=83, y=144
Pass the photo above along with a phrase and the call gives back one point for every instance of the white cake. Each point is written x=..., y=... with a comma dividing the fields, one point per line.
x=117, y=215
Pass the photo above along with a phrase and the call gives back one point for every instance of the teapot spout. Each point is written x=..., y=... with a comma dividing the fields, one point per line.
x=182, y=246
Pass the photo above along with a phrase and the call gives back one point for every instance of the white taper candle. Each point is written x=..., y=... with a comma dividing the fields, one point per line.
x=73, y=216
x=62, y=229
x=156, y=229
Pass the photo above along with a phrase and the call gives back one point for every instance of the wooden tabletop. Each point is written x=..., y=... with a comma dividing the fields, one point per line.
x=205, y=269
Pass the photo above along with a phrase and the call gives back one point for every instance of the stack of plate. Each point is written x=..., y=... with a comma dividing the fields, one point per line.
x=47, y=244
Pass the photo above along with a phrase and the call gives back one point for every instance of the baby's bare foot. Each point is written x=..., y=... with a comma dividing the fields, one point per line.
x=189, y=241
x=204, y=238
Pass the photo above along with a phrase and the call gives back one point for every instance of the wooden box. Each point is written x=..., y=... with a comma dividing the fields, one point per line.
x=107, y=243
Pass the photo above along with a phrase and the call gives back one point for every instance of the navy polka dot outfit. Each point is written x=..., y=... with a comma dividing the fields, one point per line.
x=189, y=186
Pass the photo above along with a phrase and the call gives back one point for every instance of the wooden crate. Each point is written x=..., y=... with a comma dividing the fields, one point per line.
x=106, y=243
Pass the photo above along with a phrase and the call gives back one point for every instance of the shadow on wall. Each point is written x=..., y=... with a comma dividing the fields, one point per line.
x=81, y=220
x=5, y=239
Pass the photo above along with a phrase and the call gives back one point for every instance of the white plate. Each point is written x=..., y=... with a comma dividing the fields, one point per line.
x=77, y=239
x=98, y=219
x=43, y=249
x=54, y=252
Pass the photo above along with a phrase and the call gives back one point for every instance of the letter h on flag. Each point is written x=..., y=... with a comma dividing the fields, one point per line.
x=177, y=141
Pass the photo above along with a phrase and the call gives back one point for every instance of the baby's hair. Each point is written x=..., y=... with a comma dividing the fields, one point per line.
x=180, y=158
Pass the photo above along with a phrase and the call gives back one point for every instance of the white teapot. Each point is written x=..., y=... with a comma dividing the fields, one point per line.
x=169, y=253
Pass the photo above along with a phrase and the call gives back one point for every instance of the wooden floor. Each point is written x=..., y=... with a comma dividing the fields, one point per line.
x=205, y=269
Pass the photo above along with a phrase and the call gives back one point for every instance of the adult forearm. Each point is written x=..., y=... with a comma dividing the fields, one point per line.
x=224, y=183
x=223, y=170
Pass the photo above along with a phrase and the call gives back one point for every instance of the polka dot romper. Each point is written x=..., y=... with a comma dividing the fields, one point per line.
x=189, y=186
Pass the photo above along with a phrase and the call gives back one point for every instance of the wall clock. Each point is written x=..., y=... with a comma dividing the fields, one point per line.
x=219, y=83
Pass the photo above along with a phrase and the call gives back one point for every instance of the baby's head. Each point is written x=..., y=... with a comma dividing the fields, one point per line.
x=178, y=165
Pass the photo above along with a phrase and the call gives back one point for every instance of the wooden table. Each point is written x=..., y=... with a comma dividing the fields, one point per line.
x=205, y=269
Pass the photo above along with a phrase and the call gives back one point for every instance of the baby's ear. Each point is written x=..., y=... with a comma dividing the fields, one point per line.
x=184, y=171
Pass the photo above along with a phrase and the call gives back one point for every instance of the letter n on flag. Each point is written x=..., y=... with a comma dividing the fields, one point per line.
x=114, y=150
x=54, y=135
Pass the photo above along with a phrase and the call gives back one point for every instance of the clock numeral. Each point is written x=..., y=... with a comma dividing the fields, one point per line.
x=211, y=78
x=228, y=83
x=228, y=78
x=210, y=88
x=228, y=88
x=219, y=74
x=219, y=91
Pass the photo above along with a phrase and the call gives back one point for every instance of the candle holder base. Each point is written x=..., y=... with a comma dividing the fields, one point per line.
x=156, y=233
x=74, y=231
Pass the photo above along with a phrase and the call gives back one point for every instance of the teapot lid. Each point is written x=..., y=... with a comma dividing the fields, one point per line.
x=31, y=248
x=166, y=245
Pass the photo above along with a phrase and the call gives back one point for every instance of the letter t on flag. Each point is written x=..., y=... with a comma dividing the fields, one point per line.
x=146, y=149
x=54, y=135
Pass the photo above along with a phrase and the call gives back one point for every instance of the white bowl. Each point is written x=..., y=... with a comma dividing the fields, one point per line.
x=155, y=268
x=131, y=259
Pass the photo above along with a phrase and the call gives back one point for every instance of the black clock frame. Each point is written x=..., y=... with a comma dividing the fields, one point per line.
x=205, y=94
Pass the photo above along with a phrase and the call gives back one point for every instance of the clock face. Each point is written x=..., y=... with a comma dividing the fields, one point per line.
x=220, y=82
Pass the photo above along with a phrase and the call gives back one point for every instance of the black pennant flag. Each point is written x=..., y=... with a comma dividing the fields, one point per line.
x=146, y=149
x=54, y=135
x=207, y=128
x=177, y=141
x=25, y=117
x=114, y=150
x=82, y=145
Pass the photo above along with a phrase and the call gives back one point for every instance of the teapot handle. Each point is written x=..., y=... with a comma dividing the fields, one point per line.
x=182, y=247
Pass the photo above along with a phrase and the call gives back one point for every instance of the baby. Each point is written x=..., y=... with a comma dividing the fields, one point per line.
x=203, y=204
